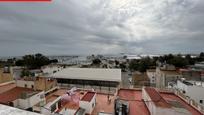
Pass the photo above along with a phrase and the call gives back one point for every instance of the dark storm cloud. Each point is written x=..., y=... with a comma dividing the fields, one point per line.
x=79, y=27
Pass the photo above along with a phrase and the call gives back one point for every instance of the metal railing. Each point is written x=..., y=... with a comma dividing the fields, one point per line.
x=187, y=99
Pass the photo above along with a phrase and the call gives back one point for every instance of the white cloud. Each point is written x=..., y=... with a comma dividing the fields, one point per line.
x=102, y=26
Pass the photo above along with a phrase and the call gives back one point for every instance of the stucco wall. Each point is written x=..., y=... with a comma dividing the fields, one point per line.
x=5, y=77
x=88, y=105
x=194, y=92
x=22, y=83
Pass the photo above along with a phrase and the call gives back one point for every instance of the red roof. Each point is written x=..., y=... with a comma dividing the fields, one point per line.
x=134, y=98
x=173, y=97
x=157, y=99
x=88, y=96
x=13, y=94
x=138, y=107
x=4, y=88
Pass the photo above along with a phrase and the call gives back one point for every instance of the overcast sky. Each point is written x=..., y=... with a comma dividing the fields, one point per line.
x=102, y=27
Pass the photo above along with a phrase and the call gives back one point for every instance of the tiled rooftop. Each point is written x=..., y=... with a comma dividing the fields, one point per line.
x=65, y=104
x=138, y=107
x=103, y=105
x=156, y=98
x=88, y=96
x=136, y=104
x=173, y=97
x=72, y=105
x=13, y=94
x=7, y=87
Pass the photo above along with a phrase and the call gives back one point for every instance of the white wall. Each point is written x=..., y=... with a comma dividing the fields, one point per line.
x=23, y=103
x=40, y=97
x=152, y=77
x=88, y=105
x=45, y=111
x=47, y=107
x=21, y=83
x=148, y=102
x=156, y=110
x=50, y=70
x=68, y=112
x=30, y=102
x=194, y=92
x=181, y=86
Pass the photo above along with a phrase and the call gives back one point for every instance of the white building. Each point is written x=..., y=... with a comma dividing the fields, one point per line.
x=89, y=78
x=23, y=98
x=85, y=105
x=7, y=110
x=89, y=74
x=151, y=73
x=50, y=69
x=165, y=75
x=193, y=89
x=51, y=107
x=88, y=102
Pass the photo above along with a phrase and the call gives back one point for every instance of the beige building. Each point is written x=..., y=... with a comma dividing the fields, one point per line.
x=166, y=75
x=38, y=83
x=151, y=73
x=5, y=75
x=45, y=84
x=140, y=79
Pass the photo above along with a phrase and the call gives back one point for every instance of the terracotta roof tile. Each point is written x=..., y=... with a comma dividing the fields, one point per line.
x=13, y=94
x=134, y=98
x=157, y=98
x=88, y=96
x=4, y=88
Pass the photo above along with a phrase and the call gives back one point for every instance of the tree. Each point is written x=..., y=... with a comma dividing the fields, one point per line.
x=133, y=65
x=20, y=63
x=146, y=63
x=142, y=65
x=25, y=73
x=190, y=60
x=54, y=61
x=33, y=61
x=201, y=55
x=96, y=62
x=178, y=61
x=117, y=62
x=122, y=67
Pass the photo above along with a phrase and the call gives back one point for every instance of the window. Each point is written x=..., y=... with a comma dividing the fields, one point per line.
x=10, y=104
x=201, y=101
x=53, y=107
x=92, y=105
x=25, y=85
x=59, y=104
x=184, y=92
x=42, y=96
x=32, y=86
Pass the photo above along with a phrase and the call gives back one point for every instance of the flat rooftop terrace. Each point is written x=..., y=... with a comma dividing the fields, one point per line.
x=4, y=88
x=15, y=93
x=102, y=103
x=88, y=96
x=173, y=97
x=138, y=107
x=136, y=104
